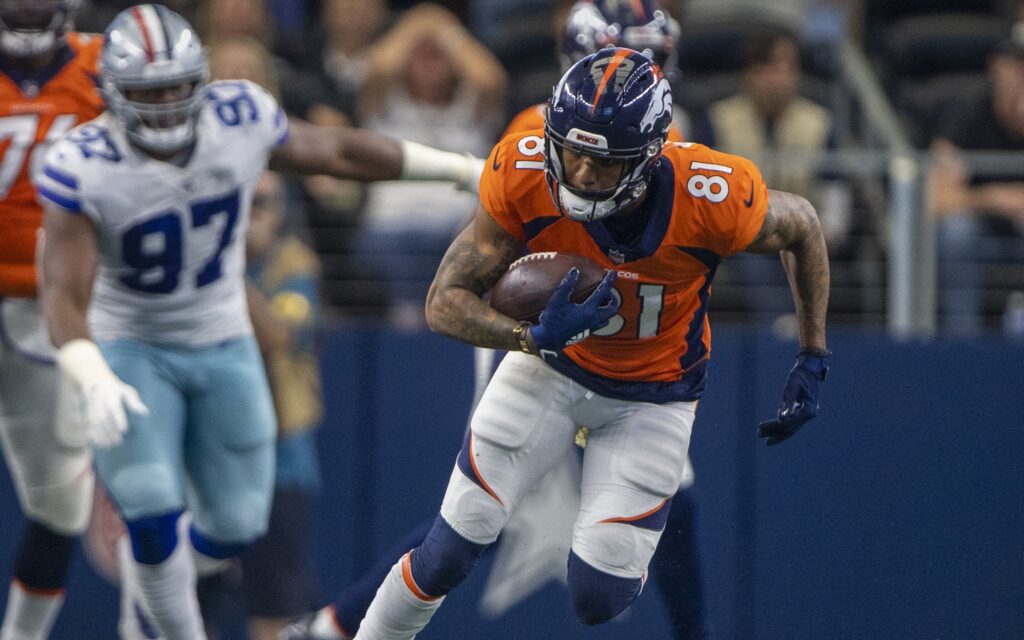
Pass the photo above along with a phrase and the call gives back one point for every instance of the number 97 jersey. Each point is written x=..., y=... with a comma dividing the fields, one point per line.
x=171, y=239
x=701, y=206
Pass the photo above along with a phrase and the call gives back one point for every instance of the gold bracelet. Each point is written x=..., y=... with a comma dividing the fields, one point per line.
x=519, y=331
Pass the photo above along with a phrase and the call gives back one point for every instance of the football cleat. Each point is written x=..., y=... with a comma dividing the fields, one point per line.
x=301, y=629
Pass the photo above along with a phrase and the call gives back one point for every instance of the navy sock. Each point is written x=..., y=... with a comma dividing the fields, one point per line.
x=44, y=558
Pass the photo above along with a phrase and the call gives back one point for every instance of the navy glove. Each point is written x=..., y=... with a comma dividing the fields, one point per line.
x=799, y=398
x=563, y=322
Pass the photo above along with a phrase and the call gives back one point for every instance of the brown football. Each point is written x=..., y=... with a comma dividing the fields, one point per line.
x=524, y=290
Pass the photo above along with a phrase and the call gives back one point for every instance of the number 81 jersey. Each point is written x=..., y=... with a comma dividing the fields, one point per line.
x=702, y=206
x=171, y=239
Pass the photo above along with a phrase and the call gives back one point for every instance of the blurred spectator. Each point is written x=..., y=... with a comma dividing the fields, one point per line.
x=980, y=216
x=240, y=52
x=429, y=76
x=97, y=14
x=431, y=82
x=243, y=57
x=278, y=575
x=232, y=18
x=768, y=115
x=350, y=27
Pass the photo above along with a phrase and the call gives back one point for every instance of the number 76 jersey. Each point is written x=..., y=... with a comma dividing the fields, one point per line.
x=171, y=239
x=702, y=206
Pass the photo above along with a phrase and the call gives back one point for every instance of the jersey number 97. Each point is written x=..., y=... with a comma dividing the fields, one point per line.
x=154, y=249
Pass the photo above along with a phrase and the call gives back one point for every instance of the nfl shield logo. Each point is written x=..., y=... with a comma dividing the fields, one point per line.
x=617, y=257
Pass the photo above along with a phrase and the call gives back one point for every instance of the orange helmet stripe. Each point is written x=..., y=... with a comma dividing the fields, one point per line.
x=609, y=73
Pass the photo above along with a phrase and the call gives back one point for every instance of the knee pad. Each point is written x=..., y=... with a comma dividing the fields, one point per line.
x=154, y=538
x=470, y=504
x=239, y=523
x=443, y=560
x=598, y=596
x=63, y=507
x=144, y=490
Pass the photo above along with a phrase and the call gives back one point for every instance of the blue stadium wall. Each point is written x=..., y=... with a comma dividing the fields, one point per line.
x=898, y=513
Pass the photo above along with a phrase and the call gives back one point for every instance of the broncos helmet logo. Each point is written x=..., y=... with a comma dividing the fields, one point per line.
x=659, y=112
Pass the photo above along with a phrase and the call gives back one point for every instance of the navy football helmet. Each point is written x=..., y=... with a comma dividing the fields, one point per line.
x=31, y=28
x=641, y=25
x=616, y=105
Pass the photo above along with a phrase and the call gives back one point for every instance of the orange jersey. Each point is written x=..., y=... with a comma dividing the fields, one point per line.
x=702, y=206
x=533, y=118
x=35, y=110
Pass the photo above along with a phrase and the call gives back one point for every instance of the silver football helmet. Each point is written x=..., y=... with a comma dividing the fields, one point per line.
x=31, y=28
x=153, y=75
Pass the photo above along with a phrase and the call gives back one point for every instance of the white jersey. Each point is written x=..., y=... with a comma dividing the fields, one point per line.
x=171, y=239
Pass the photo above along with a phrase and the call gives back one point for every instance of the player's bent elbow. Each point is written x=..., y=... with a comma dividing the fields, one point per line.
x=806, y=226
x=808, y=215
x=435, y=309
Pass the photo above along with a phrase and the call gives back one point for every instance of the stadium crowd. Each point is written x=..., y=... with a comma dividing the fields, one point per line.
x=767, y=83
x=451, y=74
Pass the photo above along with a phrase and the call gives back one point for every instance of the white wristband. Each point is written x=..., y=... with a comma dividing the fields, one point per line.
x=82, y=361
x=420, y=162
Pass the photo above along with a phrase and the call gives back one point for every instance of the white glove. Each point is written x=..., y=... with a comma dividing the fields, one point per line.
x=103, y=397
x=420, y=162
x=474, y=169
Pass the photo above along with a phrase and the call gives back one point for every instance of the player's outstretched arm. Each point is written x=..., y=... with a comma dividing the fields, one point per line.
x=359, y=154
x=476, y=259
x=791, y=227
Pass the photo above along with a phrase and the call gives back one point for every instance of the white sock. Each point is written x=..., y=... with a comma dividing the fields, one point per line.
x=396, y=612
x=133, y=605
x=325, y=625
x=169, y=592
x=29, y=615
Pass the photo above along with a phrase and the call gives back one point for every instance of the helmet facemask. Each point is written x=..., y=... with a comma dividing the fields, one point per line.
x=159, y=118
x=153, y=75
x=30, y=28
x=583, y=205
x=614, y=106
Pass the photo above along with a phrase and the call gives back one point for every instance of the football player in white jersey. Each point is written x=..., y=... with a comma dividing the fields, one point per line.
x=143, y=291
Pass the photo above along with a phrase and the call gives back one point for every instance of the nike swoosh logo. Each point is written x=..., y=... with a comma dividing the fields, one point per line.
x=495, y=164
x=749, y=201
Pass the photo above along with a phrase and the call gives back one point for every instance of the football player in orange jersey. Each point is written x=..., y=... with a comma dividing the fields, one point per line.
x=47, y=86
x=630, y=361
x=582, y=28
x=646, y=27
